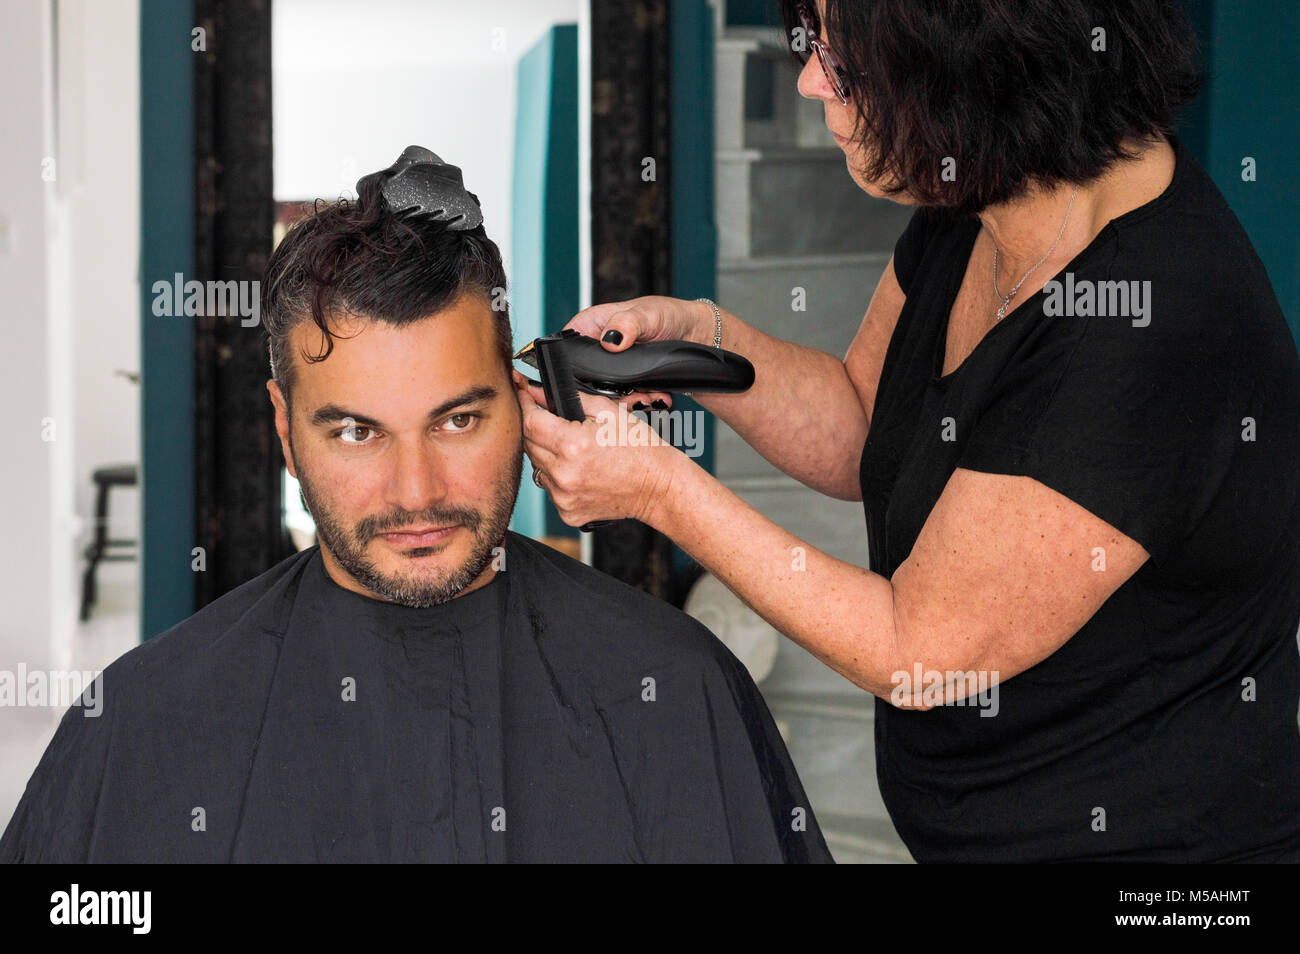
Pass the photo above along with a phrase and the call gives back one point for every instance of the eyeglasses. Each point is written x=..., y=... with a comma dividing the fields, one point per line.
x=830, y=65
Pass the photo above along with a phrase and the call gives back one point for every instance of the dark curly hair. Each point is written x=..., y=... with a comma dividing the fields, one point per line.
x=1012, y=90
x=358, y=258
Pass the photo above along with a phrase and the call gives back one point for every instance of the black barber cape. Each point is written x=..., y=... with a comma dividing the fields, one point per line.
x=554, y=714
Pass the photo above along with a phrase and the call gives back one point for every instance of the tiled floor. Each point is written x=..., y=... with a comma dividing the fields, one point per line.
x=113, y=628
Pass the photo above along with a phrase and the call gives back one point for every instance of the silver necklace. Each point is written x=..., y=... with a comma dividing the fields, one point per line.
x=1006, y=299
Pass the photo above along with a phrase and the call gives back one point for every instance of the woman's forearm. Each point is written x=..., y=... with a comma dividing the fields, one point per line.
x=841, y=613
x=802, y=414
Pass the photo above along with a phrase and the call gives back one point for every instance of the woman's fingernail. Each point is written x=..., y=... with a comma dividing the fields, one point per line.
x=613, y=336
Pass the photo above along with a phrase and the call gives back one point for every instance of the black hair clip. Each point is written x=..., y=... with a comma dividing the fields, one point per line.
x=420, y=181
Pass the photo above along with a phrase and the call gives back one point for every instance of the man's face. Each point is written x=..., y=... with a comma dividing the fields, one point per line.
x=408, y=447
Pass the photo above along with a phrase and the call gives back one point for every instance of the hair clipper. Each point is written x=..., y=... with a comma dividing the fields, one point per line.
x=569, y=362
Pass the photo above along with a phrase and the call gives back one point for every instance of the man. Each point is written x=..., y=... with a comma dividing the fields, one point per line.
x=424, y=685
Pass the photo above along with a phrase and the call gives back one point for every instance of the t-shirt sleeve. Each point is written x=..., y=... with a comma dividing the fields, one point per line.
x=910, y=247
x=1133, y=424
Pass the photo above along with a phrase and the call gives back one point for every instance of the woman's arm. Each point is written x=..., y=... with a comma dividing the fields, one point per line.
x=802, y=414
x=1004, y=571
x=808, y=411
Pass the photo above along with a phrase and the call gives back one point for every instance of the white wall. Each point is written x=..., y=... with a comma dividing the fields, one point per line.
x=68, y=262
x=355, y=84
x=26, y=386
x=101, y=86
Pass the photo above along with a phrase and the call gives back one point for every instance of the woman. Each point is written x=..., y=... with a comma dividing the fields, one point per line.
x=1072, y=413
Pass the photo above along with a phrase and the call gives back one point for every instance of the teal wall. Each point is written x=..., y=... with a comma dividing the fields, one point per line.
x=166, y=344
x=544, y=223
x=544, y=249
x=752, y=13
x=1250, y=106
x=694, y=232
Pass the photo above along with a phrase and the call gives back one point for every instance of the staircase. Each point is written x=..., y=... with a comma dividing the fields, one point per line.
x=789, y=217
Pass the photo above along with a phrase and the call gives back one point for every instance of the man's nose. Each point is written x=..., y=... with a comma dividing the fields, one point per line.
x=418, y=477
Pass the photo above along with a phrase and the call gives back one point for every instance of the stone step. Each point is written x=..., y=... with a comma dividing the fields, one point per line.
x=800, y=251
x=757, y=97
x=783, y=201
x=832, y=742
x=863, y=841
x=814, y=300
x=769, y=38
x=837, y=527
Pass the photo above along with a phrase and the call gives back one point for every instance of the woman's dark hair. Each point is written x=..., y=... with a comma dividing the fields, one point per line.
x=1016, y=92
x=358, y=258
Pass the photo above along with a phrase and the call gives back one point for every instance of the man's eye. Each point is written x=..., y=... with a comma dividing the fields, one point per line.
x=356, y=434
x=461, y=422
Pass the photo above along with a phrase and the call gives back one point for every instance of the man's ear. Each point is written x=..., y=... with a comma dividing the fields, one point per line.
x=282, y=424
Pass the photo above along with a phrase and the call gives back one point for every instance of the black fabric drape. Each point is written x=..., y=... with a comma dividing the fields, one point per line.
x=237, y=456
x=524, y=706
x=630, y=217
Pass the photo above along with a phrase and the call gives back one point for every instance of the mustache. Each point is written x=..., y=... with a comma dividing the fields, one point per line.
x=371, y=527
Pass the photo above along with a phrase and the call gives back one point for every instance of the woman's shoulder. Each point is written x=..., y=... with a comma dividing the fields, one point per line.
x=1178, y=271
x=924, y=232
x=1189, y=240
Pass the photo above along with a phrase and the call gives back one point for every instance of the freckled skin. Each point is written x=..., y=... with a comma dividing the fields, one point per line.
x=407, y=471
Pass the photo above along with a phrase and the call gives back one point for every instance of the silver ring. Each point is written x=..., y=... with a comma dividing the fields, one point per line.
x=538, y=482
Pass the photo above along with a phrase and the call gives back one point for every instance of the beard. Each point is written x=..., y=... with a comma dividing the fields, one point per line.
x=349, y=546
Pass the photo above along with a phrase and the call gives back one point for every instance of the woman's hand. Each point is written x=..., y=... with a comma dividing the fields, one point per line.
x=602, y=468
x=649, y=318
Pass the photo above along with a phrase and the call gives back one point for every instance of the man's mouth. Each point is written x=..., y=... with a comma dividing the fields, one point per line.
x=419, y=536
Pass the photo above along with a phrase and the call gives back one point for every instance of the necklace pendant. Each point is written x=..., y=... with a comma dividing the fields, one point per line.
x=1002, y=311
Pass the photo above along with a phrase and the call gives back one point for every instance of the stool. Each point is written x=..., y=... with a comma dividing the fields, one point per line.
x=106, y=478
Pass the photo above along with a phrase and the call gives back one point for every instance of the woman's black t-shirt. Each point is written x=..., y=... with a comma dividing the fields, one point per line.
x=1166, y=728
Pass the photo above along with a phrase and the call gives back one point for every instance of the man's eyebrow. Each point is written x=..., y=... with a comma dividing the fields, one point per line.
x=333, y=413
x=475, y=395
